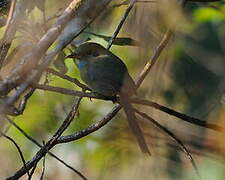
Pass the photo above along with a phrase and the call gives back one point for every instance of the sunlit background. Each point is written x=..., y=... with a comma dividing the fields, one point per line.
x=189, y=77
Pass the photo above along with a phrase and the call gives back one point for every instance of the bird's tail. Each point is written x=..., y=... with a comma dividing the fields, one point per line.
x=132, y=121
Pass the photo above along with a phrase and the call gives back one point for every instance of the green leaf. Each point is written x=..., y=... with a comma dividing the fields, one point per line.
x=120, y=41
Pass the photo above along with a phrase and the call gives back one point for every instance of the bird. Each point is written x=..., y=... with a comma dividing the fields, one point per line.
x=106, y=74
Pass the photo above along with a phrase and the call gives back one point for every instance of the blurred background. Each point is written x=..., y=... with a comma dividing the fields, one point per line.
x=189, y=77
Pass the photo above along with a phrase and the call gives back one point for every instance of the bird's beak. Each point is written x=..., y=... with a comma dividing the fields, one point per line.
x=74, y=55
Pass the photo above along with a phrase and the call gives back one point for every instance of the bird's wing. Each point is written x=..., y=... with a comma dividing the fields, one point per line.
x=113, y=71
x=107, y=69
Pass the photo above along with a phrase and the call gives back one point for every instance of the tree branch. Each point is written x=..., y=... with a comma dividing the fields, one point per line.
x=73, y=92
x=42, y=152
x=32, y=59
x=19, y=150
x=121, y=23
x=68, y=78
x=184, y=117
x=39, y=145
x=10, y=30
x=94, y=127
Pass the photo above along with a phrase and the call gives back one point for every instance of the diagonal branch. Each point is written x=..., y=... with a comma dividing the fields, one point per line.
x=32, y=59
x=73, y=92
x=121, y=23
x=68, y=78
x=126, y=2
x=39, y=145
x=163, y=43
x=8, y=34
x=50, y=144
x=94, y=127
x=155, y=105
x=165, y=40
x=182, y=116
x=18, y=149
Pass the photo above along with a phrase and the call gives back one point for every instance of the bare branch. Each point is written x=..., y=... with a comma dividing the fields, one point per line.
x=32, y=59
x=121, y=23
x=72, y=92
x=18, y=149
x=39, y=145
x=50, y=143
x=8, y=34
x=32, y=171
x=94, y=127
x=163, y=43
x=66, y=77
x=154, y=58
x=24, y=100
x=184, y=117
x=43, y=166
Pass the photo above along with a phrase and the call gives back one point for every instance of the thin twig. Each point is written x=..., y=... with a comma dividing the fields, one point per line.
x=24, y=100
x=177, y=140
x=163, y=43
x=127, y=2
x=39, y=145
x=32, y=59
x=72, y=92
x=51, y=143
x=32, y=171
x=125, y=15
x=155, y=105
x=5, y=43
x=66, y=122
x=18, y=149
x=182, y=116
x=94, y=127
x=43, y=166
x=66, y=77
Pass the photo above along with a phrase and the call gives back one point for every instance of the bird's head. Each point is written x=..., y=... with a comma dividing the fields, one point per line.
x=88, y=50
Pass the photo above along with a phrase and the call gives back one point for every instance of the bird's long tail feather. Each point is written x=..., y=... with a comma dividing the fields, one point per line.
x=132, y=121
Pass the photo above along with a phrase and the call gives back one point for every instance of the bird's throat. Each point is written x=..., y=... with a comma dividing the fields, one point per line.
x=81, y=64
